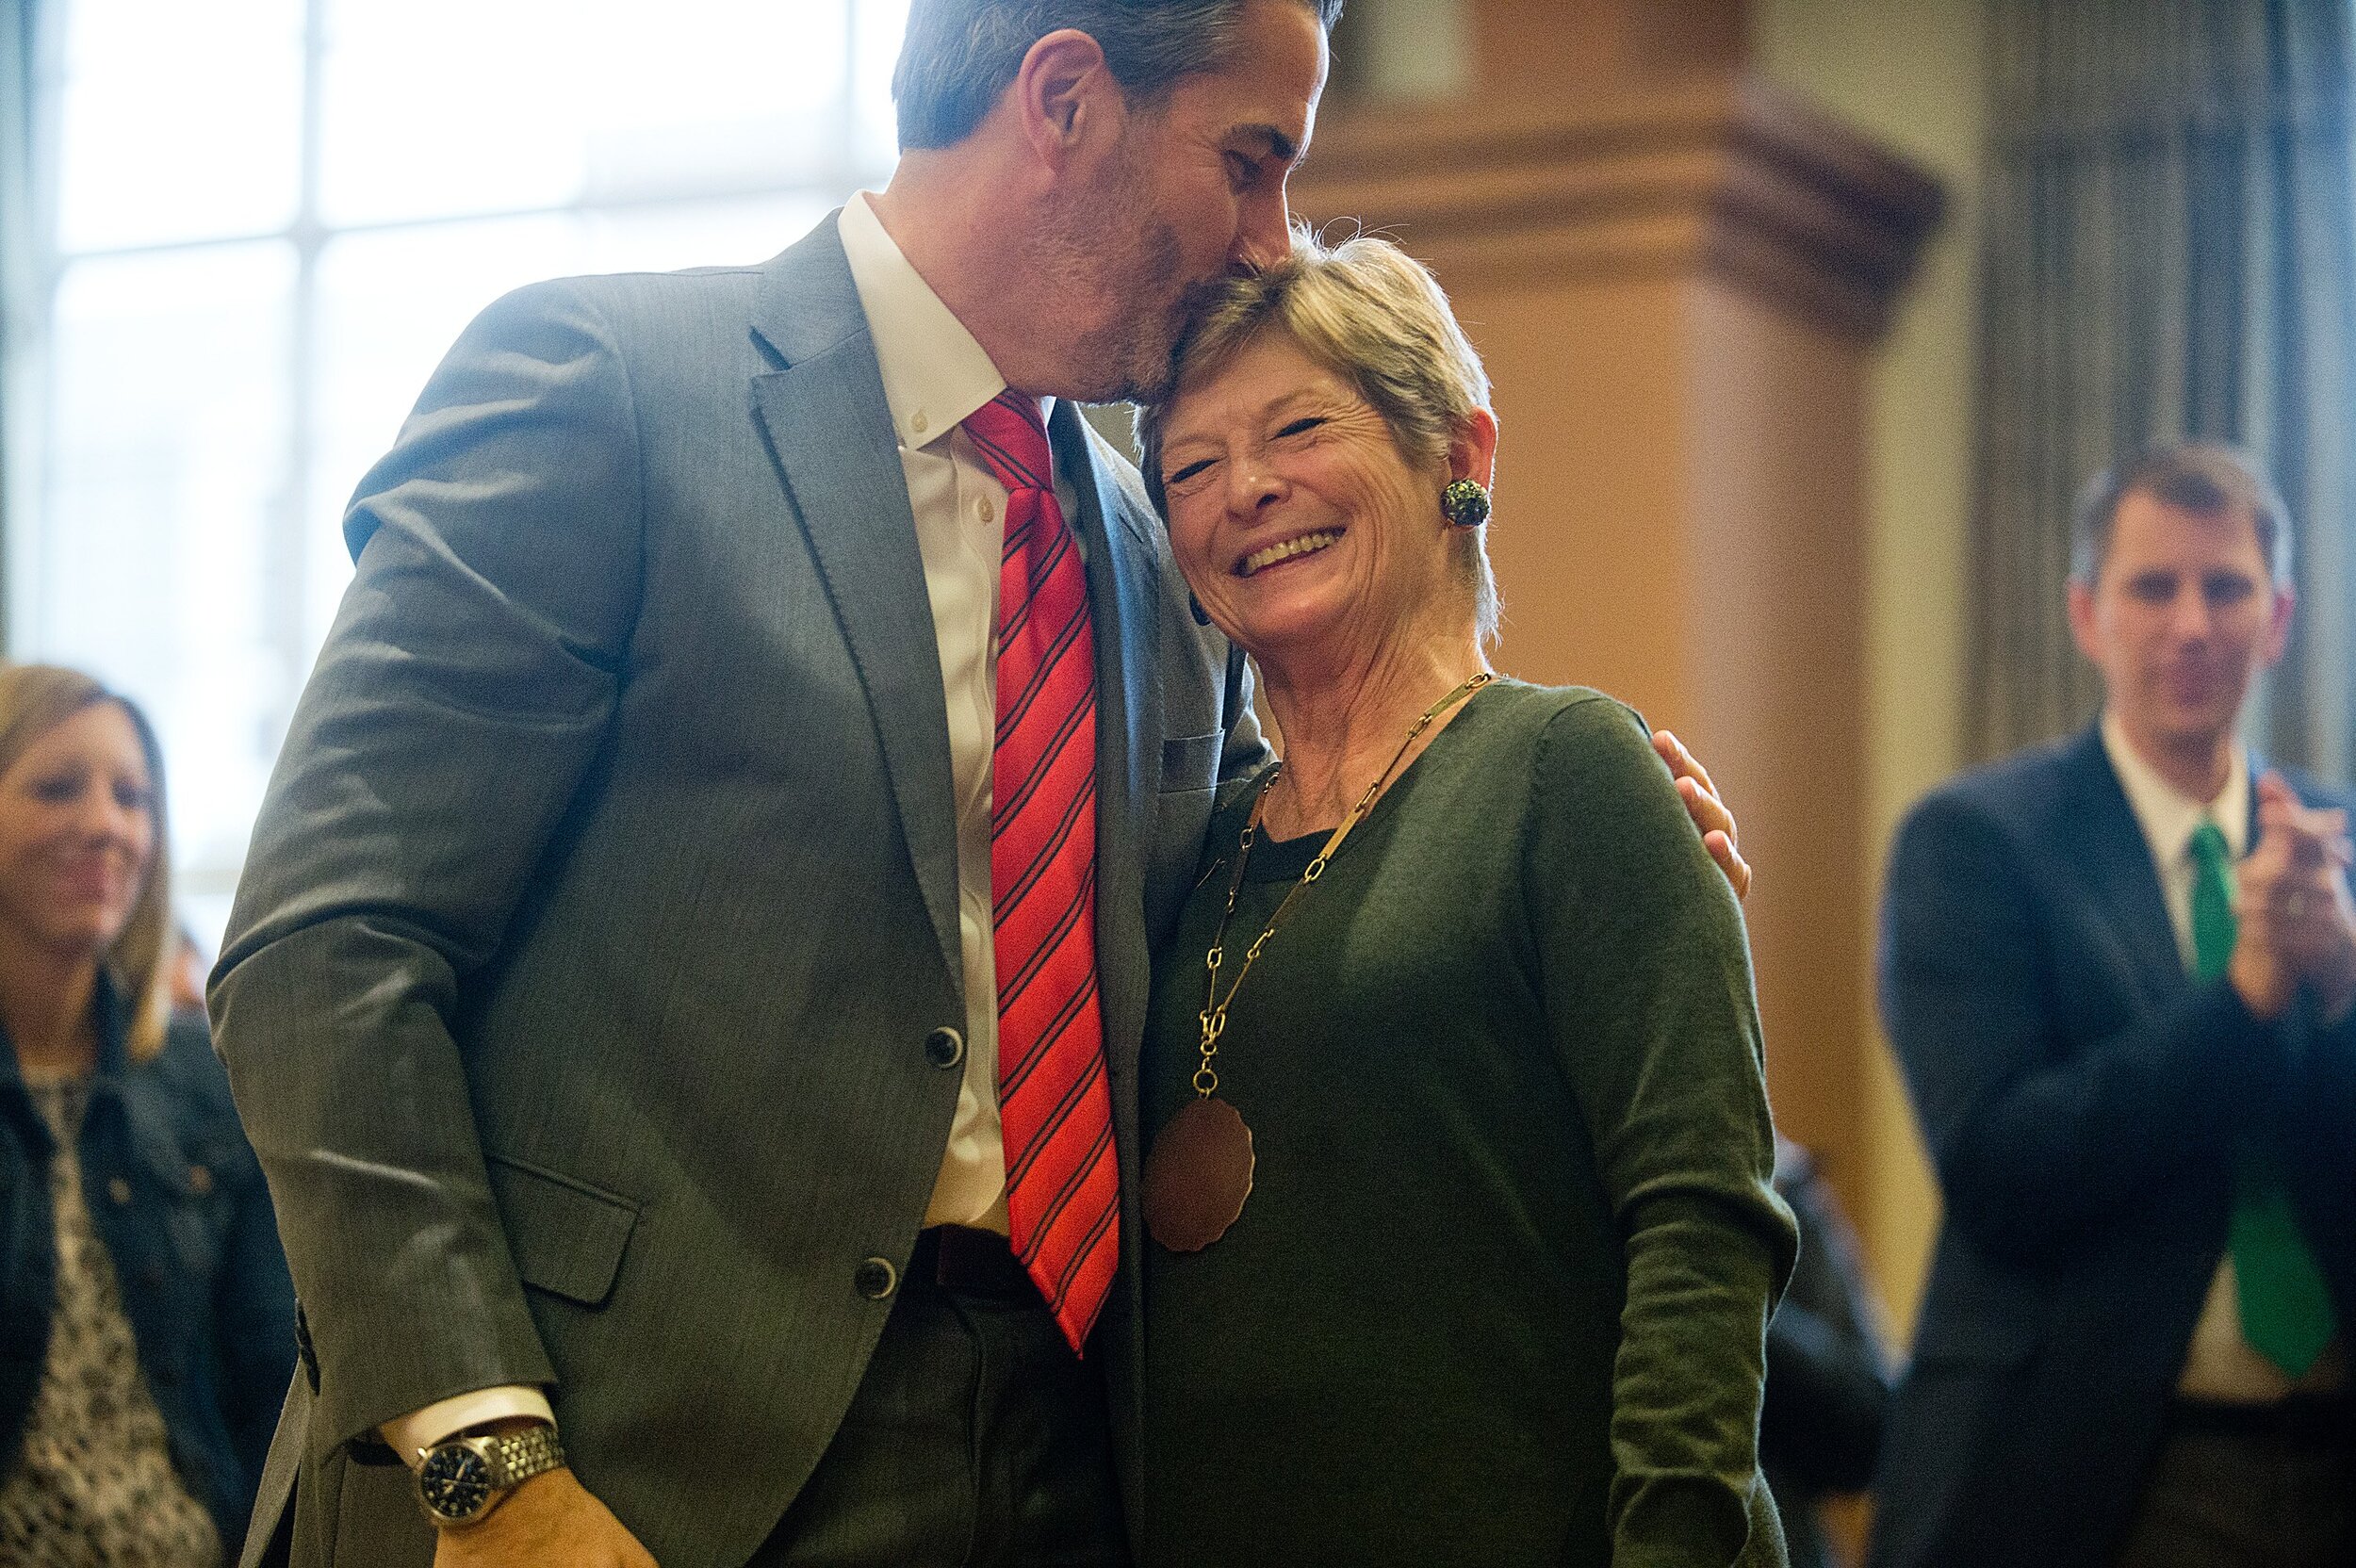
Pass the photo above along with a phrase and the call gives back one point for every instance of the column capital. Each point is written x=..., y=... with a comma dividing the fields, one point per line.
x=1729, y=179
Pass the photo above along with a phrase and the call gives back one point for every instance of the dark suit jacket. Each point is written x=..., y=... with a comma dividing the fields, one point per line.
x=577, y=991
x=2082, y=1098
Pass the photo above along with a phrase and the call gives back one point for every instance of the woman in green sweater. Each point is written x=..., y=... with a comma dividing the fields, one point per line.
x=1458, y=1168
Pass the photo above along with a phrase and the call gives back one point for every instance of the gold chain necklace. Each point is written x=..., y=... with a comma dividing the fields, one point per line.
x=1199, y=1170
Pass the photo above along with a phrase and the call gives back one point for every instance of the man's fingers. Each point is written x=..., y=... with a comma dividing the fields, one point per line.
x=1682, y=762
x=1738, y=870
x=1708, y=812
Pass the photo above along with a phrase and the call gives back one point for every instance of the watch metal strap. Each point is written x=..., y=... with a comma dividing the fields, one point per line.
x=519, y=1456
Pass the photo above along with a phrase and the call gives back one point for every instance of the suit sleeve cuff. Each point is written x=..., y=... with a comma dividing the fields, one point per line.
x=410, y=1435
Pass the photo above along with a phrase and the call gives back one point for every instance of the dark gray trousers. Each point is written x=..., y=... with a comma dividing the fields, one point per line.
x=2249, y=1494
x=976, y=1438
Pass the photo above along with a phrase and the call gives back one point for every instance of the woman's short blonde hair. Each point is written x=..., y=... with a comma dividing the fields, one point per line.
x=35, y=699
x=1371, y=314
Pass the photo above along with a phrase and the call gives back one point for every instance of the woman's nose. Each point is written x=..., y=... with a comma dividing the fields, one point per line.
x=102, y=816
x=1250, y=486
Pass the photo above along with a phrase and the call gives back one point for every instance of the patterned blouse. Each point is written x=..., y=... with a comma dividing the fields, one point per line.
x=94, y=1486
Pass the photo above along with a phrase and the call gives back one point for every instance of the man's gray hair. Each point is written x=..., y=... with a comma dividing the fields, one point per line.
x=2205, y=478
x=959, y=55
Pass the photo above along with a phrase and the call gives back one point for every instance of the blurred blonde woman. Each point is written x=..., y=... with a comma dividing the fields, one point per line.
x=146, y=1317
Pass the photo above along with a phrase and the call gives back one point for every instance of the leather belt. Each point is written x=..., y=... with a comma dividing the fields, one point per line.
x=2309, y=1420
x=970, y=1262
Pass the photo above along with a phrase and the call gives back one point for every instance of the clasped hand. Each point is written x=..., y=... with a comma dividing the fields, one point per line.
x=549, y=1521
x=2295, y=924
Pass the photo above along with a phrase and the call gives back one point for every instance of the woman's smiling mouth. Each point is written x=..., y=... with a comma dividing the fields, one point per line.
x=1301, y=543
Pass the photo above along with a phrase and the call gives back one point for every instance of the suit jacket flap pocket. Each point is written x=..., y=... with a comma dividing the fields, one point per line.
x=566, y=1235
x=1191, y=762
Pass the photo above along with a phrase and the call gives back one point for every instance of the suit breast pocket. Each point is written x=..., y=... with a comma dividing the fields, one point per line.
x=1182, y=808
x=1190, y=761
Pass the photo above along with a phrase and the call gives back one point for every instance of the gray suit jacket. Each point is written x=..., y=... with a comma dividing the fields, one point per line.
x=578, y=990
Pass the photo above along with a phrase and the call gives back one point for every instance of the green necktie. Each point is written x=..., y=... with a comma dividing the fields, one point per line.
x=2285, y=1308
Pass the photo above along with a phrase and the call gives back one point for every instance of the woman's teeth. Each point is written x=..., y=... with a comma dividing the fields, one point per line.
x=1304, y=545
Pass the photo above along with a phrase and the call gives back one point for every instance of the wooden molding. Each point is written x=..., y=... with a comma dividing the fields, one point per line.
x=1730, y=179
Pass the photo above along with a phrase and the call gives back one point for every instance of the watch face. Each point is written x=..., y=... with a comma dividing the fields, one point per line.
x=455, y=1481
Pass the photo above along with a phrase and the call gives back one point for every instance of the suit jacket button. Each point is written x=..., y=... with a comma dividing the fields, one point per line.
x=118, y=1189
x=876, y=1279
x=944, y=1048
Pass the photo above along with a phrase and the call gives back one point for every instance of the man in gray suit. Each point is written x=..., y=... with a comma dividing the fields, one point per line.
x=613, y=992
x=610, y=993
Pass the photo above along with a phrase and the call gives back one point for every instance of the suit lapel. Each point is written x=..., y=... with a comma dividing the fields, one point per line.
x=830, y=432
x=1121, y=603
x=2110, y=845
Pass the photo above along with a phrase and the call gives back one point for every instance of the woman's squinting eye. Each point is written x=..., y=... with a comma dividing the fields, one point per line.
x=1301, y=426
x=1179, y=475
x=58, y=788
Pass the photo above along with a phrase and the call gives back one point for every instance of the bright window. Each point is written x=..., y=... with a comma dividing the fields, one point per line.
x=267, y=218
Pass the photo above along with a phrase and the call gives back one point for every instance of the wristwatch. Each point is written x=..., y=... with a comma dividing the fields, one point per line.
x=462, y=1478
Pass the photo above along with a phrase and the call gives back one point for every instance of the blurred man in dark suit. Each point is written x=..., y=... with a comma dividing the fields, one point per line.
x=2118, y=972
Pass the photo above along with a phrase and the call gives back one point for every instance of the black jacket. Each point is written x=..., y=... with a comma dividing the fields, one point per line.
x=2083, y=1099
x=175, y=1195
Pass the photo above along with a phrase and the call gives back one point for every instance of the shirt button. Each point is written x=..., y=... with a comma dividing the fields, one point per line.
x=944, y=1048
x=200, y=1180
x=118, y=1189
x=986, y=512
x=918, y=423
x=874, y=1279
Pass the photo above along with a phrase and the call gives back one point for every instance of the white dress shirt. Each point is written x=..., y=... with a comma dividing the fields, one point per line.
x=934, y=375
x=2219, y=1364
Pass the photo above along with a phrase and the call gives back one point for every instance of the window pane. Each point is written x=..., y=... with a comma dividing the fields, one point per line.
x=877, y=27
x=390, y=304
x=444, y=107
x=178, y=121
x=167, y=456
x=702, y=234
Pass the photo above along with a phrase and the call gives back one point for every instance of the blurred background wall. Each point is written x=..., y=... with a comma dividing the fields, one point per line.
x=1909, y=76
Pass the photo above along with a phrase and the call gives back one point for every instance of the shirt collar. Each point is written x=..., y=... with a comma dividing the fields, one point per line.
x=2167, y=817
x=934, y=372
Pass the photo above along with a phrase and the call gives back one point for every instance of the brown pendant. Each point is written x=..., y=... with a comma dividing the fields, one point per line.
x=1198, y=1174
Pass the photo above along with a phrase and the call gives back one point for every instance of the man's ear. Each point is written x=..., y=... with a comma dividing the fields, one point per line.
x=1472, y=452
x=1062, y=91
x=2081, y=627
x=2279, y=634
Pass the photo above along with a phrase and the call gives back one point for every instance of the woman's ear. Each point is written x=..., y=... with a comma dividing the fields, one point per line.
x=1473, y=452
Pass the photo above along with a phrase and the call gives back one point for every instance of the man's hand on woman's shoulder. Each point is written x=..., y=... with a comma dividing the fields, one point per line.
x=1708, y=812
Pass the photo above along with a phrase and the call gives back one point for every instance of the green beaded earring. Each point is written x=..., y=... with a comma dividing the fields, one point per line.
x=1464, y=503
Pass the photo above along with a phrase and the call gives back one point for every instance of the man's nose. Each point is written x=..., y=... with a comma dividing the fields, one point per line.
x=1263, y=237
x=2190, y=618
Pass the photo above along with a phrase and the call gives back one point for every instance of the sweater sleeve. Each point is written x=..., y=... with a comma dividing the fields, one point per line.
x=1646, y=977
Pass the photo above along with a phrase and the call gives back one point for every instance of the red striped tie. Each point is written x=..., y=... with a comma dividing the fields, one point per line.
x=1063, y=1184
